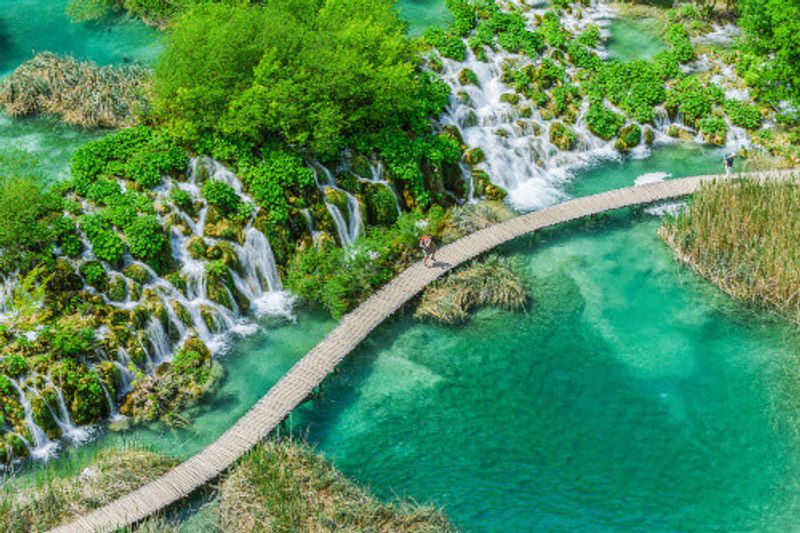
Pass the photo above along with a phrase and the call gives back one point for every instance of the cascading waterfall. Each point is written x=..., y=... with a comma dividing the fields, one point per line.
x=377, y=178
x=41, y=448
x=178, y=313
x=348, y=229
x=519, y=156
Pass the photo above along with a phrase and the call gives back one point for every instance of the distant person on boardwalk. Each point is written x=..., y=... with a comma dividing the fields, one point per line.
x=729, y=163
x=428, y=249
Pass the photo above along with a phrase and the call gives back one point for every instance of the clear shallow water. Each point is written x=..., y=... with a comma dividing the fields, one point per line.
x=668, y=161
x=634, y=38
x=632, y=396
x=31, y=26
x=423, y=14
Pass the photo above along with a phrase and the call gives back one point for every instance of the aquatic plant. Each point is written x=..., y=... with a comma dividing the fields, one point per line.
x=54, y=500
x=493, y=281
x=741, y=235
x=81, y=93
x=283, y=485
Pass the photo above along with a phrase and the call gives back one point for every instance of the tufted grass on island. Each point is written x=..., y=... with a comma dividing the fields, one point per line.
x=57, y=499
x=81, y=93
x=742, y=236
x=283, y=485
x=493, y=281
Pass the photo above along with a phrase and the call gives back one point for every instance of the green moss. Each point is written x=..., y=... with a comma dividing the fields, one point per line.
x=562, y=136
x=629, y=137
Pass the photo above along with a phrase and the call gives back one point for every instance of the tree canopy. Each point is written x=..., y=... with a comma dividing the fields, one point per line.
x=306, y=73
x=771, y=28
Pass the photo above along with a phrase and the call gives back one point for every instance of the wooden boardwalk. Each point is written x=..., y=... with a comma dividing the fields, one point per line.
x=316, y=365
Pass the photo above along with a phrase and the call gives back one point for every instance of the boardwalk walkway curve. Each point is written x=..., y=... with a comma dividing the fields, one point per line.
x=317, y=364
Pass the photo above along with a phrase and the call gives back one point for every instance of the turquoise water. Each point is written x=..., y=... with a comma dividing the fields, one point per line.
x=631, y=396
x=676, y=160
x=422, y=14
x=31, y=26
x=635, y=38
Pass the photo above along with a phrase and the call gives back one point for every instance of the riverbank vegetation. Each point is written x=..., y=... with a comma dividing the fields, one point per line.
x=53, y=499
x=80, y=93
x=281, y=485
x=742, y=236
x=284, y=486
x=284, y=142
x=490, y=282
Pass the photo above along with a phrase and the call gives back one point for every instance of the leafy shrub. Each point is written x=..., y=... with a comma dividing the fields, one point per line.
x=603, y=122
x=590, y=37
x=554, y=34
x=65, y=235
x=742, y=114
x=146, y=239
x=693, y=99
x=106, y=244
x=448, y=44
x=678, y=38
x=139, y=153
x=634, y=87
x=95, y=274
x=182, y=199
x=221, y=195
x=714, y=129
x=666, y=64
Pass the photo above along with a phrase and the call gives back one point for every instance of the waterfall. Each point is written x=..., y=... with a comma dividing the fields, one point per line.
x=377, y=178
x=348, y=229
x=519, y=156
x=310, y=224
x=159, y=341
x=43, y=448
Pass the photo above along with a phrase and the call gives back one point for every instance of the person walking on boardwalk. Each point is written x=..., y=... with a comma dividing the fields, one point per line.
x=729, y=163
x=428, y=249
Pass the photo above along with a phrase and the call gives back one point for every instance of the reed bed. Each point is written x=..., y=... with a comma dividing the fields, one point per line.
x=744, y=236
x=81, y=93
x=54, y=501
x=491, y=282
x=282, y=485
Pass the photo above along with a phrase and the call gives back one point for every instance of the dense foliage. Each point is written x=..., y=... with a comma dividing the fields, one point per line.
x=771, y=59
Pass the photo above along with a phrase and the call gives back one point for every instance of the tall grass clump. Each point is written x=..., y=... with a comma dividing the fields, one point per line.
x=493, y=281
x=743, y=236
x=81, y=93
x=283, y=485
x=54, y=501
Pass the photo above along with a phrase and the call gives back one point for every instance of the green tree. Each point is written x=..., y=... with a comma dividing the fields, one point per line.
x=306, y=73
x=772, y=49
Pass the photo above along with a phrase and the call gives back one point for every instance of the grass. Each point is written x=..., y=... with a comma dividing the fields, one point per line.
x=282, y=485
x=490, y=282
x=55, y=500
x=81, y=93
x=743, y=236
x=471, y=217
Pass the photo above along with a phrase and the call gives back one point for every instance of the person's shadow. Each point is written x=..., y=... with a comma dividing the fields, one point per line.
x=441, y=264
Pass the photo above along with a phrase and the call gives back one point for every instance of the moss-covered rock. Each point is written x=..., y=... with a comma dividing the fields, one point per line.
x=484, y=187
x=225, y=229
x=474, y=156
x=197, y=248
x=467, y=77
x=117, y=289
x=381, y=205
x=137, y=273
x=649, y=135
x=629, y=137
x=562, y=136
